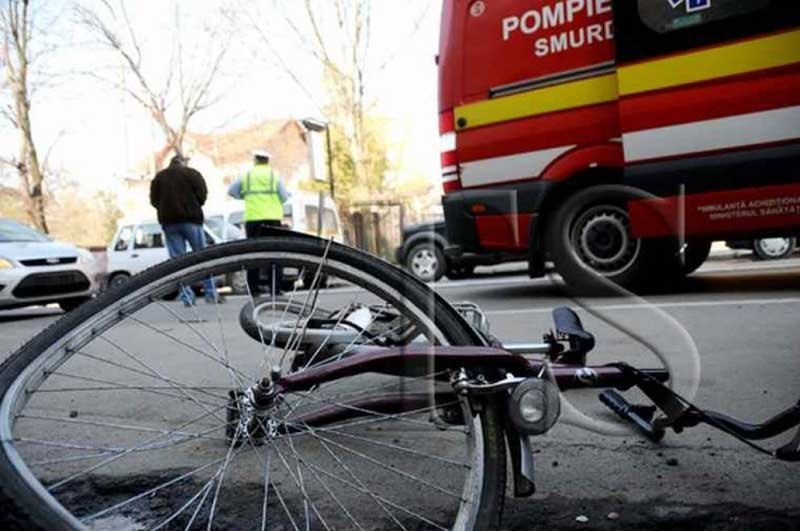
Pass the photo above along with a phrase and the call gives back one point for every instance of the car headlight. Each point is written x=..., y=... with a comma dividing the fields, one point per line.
x=6, y=264
x=85, y=256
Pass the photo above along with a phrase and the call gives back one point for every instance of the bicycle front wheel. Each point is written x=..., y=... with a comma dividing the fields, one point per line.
x=128, y=412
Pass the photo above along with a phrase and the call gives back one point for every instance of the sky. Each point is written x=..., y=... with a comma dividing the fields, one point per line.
x=94, y=134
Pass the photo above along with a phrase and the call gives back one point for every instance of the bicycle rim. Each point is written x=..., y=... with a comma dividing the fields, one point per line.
x=116, y=415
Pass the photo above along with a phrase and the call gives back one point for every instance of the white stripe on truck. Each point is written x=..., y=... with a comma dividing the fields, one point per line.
x=509, y=168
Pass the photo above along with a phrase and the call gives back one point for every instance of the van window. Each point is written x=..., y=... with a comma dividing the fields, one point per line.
x=148, y=237
x=124, y=239
x=672, y=15
x=237, y=218
x=328, y=219
x=216, y=225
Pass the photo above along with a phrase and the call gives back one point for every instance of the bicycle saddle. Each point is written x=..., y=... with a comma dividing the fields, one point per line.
x=569, y=326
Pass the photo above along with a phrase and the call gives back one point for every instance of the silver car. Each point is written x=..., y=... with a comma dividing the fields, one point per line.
x=37, y=270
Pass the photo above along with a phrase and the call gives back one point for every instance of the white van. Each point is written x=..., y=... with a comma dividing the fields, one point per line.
x=300, y=213
x=139, y=245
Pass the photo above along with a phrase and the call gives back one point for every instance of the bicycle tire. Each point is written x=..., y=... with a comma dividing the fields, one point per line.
x=29, y=506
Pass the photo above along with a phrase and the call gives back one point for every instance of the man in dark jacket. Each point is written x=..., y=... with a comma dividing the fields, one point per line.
x=178, y=194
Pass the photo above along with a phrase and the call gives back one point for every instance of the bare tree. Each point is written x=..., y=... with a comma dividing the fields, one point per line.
x=337, y=34
x=17, y=25
x=171, y=99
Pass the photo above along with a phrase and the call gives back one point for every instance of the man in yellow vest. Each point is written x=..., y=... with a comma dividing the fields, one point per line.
x=264, y=194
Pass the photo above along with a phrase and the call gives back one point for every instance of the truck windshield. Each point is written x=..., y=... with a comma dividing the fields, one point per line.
x=11, y=231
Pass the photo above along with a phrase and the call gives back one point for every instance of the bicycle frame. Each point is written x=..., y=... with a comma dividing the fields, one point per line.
x=502, y=370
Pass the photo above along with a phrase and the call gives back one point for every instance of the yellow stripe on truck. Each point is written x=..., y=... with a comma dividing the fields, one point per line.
x=730, y=60
x=592, y=91
x=741, y=58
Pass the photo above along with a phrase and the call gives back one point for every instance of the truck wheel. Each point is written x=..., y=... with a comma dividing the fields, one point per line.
x=426, y=262
x=589, y=240
x=773, y=248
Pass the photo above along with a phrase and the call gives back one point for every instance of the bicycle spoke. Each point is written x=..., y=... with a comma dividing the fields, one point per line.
x=221, y=473
x=202, y=492
x=384, y=466
x=301, y=486
x=388, y=445
x=140, y=372
x=128, y=387
x=397, y=416
x=155, y=373
x=325, y=486
x=126, y=452
x=311, y=292
x=361, y=486
x=382, y=499
x=267, y=466
x=123, y=427
x=171, y=432
x=192, y=348
x=153, y=490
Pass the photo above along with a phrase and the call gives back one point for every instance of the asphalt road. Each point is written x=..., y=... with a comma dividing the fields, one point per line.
x=737, y=319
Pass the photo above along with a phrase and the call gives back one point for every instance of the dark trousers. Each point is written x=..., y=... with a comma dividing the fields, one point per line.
x=177, y=236
x=258, y=229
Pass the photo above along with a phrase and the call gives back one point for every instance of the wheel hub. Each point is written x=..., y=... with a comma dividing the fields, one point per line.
x=601, y=238
x=774, y=246
x=424, y=263
x=251, y=414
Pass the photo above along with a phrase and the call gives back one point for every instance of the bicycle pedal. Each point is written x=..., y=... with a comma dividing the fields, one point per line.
x=640, y=416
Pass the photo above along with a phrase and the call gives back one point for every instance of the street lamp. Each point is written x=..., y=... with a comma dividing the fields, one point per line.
x=314, y=125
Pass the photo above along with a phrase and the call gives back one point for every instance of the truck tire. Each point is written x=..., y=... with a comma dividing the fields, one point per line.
x=695, y=255
x=590, y=243
x=426, y=261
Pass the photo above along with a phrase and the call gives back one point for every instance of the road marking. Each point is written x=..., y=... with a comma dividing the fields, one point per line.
x=520, y=277
x=685, y=304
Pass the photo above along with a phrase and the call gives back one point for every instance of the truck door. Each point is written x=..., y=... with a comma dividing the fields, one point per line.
x=709, y=102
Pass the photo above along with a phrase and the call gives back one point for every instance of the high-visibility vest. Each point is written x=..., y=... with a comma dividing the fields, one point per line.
x=260, y=193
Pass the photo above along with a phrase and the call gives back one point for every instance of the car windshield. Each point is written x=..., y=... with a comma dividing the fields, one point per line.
x=11, y=231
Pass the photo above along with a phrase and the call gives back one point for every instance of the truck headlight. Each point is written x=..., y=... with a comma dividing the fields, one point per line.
x=534, y=406
x=6, y=264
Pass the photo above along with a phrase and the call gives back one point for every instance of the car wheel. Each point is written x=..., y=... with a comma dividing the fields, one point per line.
x=426, y=262
x=773, y=248
x=118, y=279
x=70, y=304
x=237, y=281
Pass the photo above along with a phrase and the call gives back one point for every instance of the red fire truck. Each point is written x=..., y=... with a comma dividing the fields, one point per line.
x=618, y=137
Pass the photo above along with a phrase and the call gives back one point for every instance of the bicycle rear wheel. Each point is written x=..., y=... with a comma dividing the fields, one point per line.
x=116, y=415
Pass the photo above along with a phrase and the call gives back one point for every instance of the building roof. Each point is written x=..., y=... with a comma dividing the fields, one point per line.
x=279, y=136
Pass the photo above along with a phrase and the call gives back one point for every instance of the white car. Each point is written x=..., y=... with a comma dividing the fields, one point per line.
x=139, y=245
x=34, y=269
